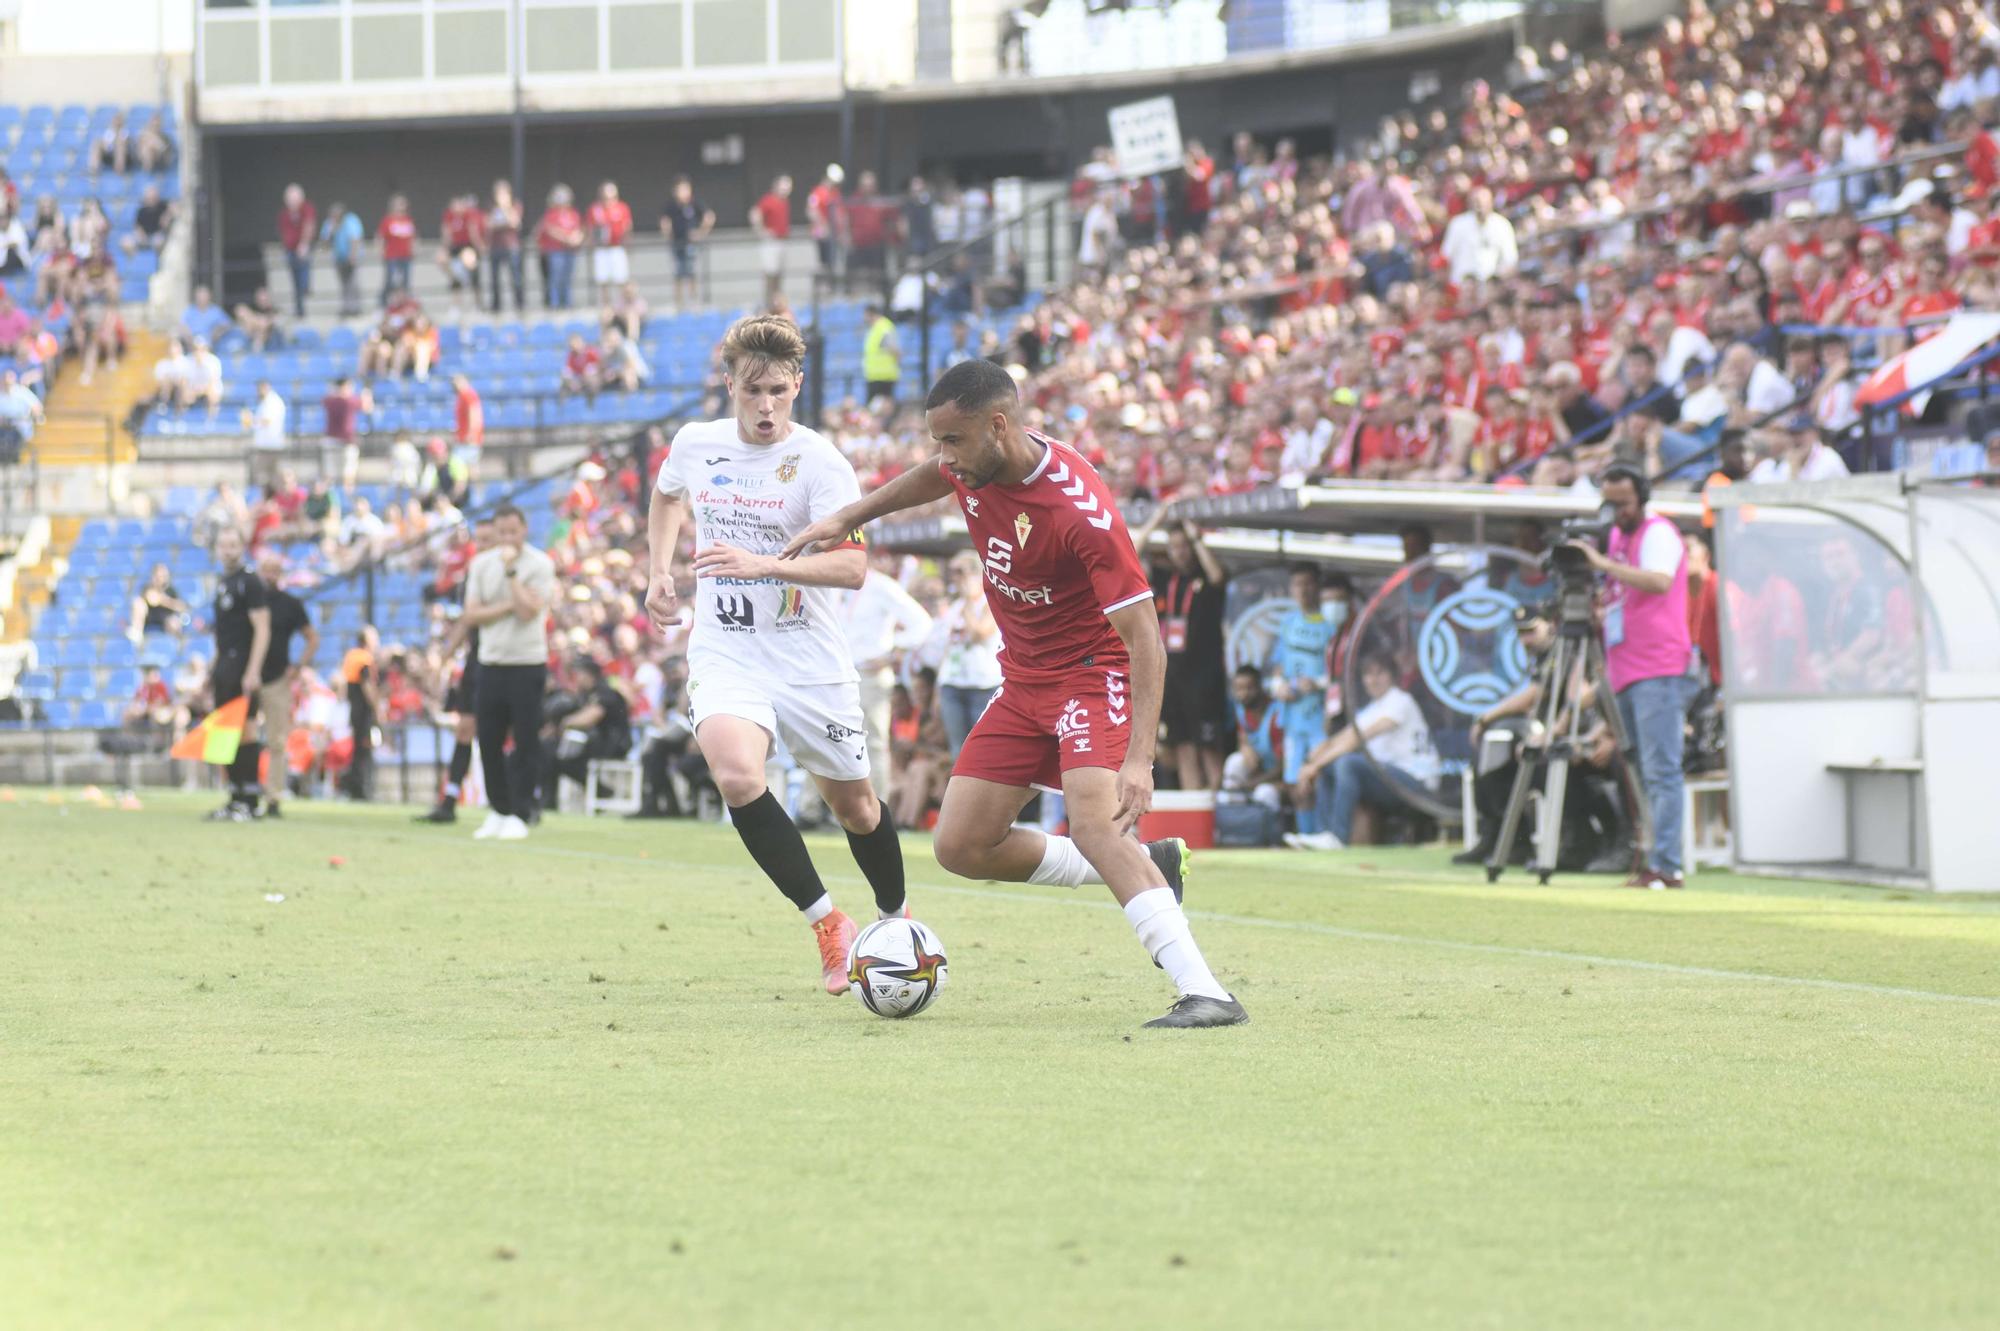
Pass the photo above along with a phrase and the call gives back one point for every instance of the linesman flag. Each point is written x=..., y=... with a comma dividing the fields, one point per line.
x=218, y=736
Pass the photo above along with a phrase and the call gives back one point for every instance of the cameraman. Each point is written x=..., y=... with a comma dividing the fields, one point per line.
x=1646, y=640
x=1593, y=831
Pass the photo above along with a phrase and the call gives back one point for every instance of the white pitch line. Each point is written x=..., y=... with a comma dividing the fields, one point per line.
x=1357, y=935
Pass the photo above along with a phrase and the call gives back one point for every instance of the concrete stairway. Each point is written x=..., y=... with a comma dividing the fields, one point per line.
x=33, y=583
x=76, y=433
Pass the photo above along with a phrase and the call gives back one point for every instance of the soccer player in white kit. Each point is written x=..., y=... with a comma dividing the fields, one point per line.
x=768, y=657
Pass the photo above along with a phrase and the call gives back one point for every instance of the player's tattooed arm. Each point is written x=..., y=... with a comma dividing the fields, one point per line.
x=922, y=484
x=1138, y=627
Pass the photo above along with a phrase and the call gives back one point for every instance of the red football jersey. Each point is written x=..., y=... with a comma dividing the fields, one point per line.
x=1058, y=561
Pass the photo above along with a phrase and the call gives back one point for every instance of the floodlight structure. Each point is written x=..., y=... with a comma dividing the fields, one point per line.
x=1860, y=627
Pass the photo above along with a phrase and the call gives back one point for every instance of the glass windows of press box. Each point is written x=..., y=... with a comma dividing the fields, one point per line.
x=258, y=43
x=1814, y=605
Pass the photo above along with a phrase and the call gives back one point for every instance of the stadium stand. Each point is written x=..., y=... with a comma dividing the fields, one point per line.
x=1664, y=214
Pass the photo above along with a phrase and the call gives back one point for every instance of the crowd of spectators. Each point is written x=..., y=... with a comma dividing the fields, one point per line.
x=1589, y=266
x=71, y=259
x=1582, y=268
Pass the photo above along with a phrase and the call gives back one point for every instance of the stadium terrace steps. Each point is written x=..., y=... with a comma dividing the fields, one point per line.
x=34, y=586
x=74, y=434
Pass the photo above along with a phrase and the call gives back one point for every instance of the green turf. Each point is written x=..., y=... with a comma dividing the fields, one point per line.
x=586, y=1081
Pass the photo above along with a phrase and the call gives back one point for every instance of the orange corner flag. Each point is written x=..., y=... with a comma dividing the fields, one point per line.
x=218, y=736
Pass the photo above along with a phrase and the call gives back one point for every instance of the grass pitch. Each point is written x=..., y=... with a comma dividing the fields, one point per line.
x=587, y=1081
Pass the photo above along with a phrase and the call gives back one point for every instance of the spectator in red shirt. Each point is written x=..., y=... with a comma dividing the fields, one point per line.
x=340, y=455
x=298, y=227
x=1932, y=296
x=471, y=423
x=610, y=221
x=1870, y=289
x=151, y=709
x=581, y=368
x=397, y=234
x=826, y=216
x=463, y=251
x=559, y=236
x=870, y=219
x=1198, y=192
x=772, y=218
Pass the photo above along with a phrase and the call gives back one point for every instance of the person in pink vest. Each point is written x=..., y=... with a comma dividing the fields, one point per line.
x=1646, y=642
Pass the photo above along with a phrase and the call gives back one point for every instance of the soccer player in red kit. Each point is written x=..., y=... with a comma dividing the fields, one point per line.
x=1083, y=670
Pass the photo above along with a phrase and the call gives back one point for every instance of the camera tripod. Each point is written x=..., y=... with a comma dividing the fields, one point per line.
x=1560, y=713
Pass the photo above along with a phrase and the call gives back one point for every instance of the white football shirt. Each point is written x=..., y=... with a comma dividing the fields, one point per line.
x=756, y=497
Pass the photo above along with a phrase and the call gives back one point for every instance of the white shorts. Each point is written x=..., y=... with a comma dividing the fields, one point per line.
x=609, y=267
x=772, y=252
x=821, y=725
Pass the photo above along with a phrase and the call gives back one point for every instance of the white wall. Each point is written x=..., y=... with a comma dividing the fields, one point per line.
x=1789, y=808
x=1961, y=772
x=106, y=27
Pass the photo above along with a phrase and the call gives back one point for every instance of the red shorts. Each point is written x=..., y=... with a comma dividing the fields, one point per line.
x=1032, y=733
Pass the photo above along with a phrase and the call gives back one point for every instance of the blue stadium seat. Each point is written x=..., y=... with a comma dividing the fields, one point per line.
x=61, y=714
x=99, y=715
x=120, y=652
x=35, y=686
x=73, y=654
x=77, y=685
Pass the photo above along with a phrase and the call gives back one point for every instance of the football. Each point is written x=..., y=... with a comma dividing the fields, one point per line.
x=896, y=967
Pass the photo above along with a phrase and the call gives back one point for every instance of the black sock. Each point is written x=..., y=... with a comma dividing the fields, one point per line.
x=774, y=842
x=243, y=782
x=461, y=763
x=880, y=856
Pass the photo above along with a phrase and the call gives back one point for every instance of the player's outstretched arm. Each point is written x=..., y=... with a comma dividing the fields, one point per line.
x=663, y=533
x=836, y=568
x=1138, y=627
x=922, y=484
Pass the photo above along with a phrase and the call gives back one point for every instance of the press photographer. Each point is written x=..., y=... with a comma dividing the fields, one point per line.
x=1645, y=626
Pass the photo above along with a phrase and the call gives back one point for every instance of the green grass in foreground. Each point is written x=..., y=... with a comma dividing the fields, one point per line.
x=587, y=1081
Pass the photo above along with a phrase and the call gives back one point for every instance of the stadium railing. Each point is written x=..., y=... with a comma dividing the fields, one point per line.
x=550, y=424
x=1757, y=187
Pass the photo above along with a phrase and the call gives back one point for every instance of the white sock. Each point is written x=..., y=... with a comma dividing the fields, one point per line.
x=1063, y=863
x=1163, y=931
x=820, y=909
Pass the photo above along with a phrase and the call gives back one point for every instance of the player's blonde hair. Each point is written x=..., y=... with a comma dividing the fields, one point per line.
x=763, y=341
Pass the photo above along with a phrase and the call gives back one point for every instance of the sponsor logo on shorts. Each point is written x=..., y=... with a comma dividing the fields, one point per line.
x=1074, y=725
x=838, y=732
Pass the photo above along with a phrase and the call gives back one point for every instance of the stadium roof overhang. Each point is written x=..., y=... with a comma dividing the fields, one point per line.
x=1352, y=524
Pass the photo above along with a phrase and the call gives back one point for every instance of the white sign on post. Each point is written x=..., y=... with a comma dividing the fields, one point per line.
x=1146, y=137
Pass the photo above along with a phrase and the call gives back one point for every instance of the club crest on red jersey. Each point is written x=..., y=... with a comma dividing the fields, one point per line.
x=1022, y=526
